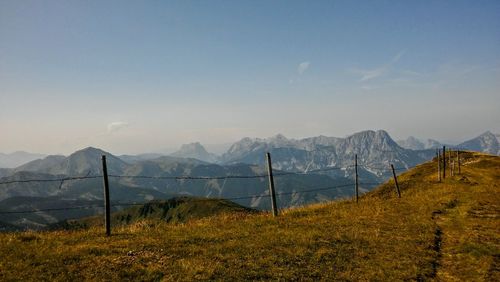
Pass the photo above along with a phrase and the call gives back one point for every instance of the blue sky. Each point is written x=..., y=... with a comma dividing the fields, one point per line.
x=141, y=76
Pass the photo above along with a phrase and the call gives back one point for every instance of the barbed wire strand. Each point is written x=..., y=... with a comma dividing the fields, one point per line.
x=181, y=177
x=201, y=199
x=51, y=180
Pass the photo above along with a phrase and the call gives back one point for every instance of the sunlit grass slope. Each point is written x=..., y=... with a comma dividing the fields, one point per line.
x=175, y=210
x=445, y=231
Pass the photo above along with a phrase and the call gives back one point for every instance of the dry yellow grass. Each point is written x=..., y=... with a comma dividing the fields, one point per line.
x=444, y=231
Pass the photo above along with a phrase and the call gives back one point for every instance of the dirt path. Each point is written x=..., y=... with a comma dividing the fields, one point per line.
x=468, y=242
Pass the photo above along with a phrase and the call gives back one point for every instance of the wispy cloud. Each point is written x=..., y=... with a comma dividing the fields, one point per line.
x=369, y=74
x=303, y=67
x=117, y=125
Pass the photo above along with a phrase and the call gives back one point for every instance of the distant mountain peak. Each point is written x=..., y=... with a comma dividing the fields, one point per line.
x=195, y=151
x=279, y=136
x=191, y=146
x=413, y=138
x=84, y=161
x=486, y=142
x=487, y=134
x=414, y=143
x=382, y=132
x=91, y=150
x=363, y=132
x=370, y=134
x=279, y=140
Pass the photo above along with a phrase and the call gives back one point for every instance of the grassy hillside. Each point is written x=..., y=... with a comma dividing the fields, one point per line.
x=442, y=231
x=175, y=210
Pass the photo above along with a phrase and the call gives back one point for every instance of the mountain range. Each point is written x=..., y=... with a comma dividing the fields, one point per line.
x=309, y=163
x=486, y=143
x=414, y=143
x=124, y=188
x=375, y=149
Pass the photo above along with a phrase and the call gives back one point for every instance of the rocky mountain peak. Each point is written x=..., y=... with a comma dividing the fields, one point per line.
x=488, y=134
x=414, y=143
x=370, y=138
x=486, y=142
x=411, y=143
x=280, y=140
x=90, y=151
x=195, y=151
x=192, y=147
x=278, y=137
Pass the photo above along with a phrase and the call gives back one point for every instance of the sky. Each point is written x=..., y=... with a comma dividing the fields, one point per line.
x=147, y=76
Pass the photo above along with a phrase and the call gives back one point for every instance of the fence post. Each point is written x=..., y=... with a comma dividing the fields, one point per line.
x=107, y=220
x=396, y=180
x=356, y=187
x=438, y=158
x=271, y=184
x=450, y=161
x=444, y=162
x=458, y=160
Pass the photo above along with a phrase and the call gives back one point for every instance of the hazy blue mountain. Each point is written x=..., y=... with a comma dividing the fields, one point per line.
x=311, y=143
x=414, y=143
x=87, y=189
x=41, y=165
x=227, y=188
x=250, y=192
x=5, y=172
x=195, y=151
x=41, y=219
x=82, y=162
x=132, y=159
x=375, y=149
x=433, y=144
x=17, y=158
x=486, y=142
x=34, y=189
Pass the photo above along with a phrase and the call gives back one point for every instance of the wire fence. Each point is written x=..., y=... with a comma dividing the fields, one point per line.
x=61, y=180
x=118, y=204
x=187, y=177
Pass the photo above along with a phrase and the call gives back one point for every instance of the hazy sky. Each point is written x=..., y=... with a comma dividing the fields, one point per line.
x=142, y=76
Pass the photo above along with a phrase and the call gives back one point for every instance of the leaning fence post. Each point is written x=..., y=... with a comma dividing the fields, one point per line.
x=438, y=158
x=271, y=184
x=396, y=181
x=356, y=186
x=107, y=221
